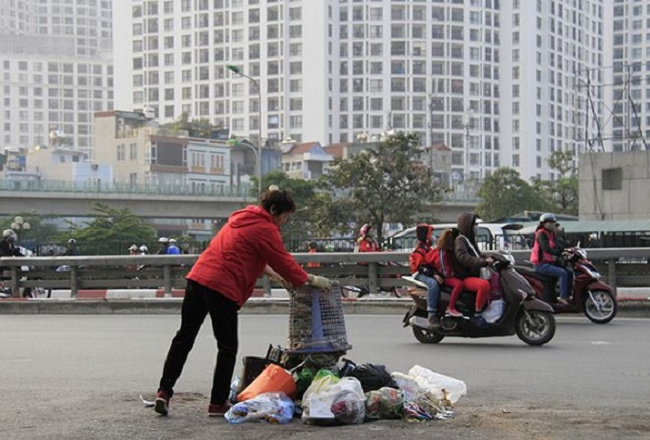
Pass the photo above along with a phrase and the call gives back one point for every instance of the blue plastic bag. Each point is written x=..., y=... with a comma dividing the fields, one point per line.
x=269, y=407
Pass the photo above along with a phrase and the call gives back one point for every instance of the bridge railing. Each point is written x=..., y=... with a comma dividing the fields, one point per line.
x=620, y=267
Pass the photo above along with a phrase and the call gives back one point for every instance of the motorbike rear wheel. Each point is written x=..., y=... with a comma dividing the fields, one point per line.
x=426, y=336
x=535, y=327
x=603, y=309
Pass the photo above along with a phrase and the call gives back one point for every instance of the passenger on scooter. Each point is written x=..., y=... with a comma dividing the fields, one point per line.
x=545, y=254
x=423, y=270
x=443, y=260
x=469, y=260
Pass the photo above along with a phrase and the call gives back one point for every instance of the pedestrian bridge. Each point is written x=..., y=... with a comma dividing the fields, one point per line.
x=58, y=198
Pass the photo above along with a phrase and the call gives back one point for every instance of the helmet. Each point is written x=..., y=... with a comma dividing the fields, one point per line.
x=547, y=218
x=8, y=233
x=172, y=240
x=365, y=230
x=143, y=248
x=163, y=240
x=72, y=240
x=133, y=247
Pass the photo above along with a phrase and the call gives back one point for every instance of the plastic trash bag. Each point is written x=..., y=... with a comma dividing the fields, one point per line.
x=269, y=407
x=493, y=311
x=274, y=379
x=333, y=401
x=448, y=388
x=385, y=403
x=371, y=376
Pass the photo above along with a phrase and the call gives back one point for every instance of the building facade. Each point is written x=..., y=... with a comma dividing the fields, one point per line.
x=493, y=80
x=629, y=85
x=56, y=70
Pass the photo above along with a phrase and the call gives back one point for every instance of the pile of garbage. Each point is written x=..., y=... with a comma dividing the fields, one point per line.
x=341, y=394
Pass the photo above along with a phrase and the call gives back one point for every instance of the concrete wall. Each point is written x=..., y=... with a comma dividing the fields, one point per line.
x=630, y=202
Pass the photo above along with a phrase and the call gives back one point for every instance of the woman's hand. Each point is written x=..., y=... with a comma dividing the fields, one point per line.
x=438, y=279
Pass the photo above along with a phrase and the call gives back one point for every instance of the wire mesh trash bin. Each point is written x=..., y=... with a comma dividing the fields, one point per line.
x=316, y=322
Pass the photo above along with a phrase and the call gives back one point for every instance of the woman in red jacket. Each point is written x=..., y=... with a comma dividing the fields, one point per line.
x=222, y=280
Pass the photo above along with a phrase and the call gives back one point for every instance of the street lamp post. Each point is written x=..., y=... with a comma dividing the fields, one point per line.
x=238, y=70
x=19, y=223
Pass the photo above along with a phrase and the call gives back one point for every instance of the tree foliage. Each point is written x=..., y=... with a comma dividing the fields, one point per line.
x=110, y=226
x=504, y=193
x=200, y=128
x=384, y=184
x=562, y=192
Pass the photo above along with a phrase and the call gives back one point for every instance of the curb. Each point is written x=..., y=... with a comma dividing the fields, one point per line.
x=633, y=308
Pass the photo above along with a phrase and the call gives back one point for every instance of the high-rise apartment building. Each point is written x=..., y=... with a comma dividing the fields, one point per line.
x=629, y=83
x=493, y=80
x=56, y=70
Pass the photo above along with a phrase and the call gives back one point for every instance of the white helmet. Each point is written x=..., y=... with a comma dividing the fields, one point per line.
x=72, y=240
x=172, y=240
x=133, y=247
x=143, y=248
x=163, y=240
x=8, y=233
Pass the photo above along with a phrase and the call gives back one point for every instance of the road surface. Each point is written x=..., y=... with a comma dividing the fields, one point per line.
x=79, y=377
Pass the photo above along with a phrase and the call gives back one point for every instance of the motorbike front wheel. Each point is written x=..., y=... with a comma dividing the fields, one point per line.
x=535, y=327
x=600, y=306
x=427, y=336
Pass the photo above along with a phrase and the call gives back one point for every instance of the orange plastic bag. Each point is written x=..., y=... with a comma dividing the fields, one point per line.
x=272, y=380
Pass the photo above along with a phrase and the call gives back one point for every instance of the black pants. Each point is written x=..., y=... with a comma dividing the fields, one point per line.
x=198, y=302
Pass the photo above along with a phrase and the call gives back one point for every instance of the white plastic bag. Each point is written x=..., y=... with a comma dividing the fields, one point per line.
x=493, y=311
x=447, y=387
x=332, y=401
x=270, y=407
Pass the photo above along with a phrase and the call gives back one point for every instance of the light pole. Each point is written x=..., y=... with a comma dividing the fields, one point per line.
x=238, y=70
x=19, y=224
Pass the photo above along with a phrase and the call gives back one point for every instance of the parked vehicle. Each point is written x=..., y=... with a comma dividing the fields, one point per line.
x=523, y=314
x=590, y=295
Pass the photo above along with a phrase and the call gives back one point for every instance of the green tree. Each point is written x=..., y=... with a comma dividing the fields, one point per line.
x=383, y=184
x=562, y=192
x=200, y=128
x=504, y=193
x=110, y=228
x=302, y=192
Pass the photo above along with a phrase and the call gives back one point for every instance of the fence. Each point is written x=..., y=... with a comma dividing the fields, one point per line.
x=621, y=267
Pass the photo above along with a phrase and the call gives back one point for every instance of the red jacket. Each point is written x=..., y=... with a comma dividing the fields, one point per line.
x=238, y=254
x=367, y=244
x=421, y=256
x=442, y=262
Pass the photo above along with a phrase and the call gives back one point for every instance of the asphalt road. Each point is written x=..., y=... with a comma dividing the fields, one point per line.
x=80, y=377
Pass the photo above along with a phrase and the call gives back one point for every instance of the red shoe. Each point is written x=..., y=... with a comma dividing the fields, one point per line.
x=162, y=403
x=218, y=410
x=454, y=313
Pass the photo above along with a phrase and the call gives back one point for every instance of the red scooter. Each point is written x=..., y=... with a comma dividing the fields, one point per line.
x=590, y=295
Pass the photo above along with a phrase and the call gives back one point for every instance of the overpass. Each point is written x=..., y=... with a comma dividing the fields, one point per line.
x=160, y=201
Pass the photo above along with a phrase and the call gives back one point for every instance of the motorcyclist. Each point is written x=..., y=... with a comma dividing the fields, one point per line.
x=164, y=245
x=173, y=248
x=71, y=249
x=423, y=270
x=144, y=250
x=8, y=249
x=545, y=254
x=469, y=260
x=365, y=241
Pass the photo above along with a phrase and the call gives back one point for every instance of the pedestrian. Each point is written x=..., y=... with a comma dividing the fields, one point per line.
x=220, y=283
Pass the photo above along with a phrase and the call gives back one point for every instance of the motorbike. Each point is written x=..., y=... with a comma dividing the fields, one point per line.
x=523, y=314
x=591, y=296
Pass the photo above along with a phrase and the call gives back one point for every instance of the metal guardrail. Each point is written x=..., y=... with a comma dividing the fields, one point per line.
x=625, y=267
